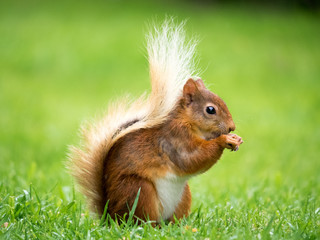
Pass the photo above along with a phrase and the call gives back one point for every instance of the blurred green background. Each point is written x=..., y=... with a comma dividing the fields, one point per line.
x=62, y=62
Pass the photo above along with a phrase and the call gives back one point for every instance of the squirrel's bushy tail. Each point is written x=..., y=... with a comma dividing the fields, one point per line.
x=171, y=64
x=171, y=61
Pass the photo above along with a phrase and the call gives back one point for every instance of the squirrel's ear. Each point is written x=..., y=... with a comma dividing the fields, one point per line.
x=189, y=91
x=200, y=83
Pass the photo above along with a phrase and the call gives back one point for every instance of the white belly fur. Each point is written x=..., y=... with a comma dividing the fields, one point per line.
x=170, y=190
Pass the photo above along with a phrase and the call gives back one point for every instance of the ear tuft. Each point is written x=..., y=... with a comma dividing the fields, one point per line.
x=189, y=91
x=200, y=83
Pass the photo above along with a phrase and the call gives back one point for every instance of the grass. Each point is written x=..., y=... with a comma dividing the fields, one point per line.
x=60, y=64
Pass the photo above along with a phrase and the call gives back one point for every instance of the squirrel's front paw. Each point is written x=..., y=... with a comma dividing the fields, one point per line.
x=232, y=141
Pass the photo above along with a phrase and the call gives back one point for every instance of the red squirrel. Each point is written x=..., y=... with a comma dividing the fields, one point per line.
x=155, y=143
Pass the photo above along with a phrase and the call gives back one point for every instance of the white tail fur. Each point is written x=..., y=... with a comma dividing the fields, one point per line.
x=171, y=60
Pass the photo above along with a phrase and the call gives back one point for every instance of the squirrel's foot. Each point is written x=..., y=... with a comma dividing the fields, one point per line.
x=233, y=142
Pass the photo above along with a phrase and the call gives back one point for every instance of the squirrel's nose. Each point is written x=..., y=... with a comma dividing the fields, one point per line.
x=232, y=127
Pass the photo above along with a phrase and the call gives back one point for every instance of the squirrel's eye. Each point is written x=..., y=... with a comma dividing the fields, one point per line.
x=211, y=110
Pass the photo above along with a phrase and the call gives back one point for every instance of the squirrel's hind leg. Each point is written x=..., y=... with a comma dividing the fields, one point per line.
x=121, y=198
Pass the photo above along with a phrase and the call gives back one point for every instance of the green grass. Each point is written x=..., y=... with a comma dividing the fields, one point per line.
x=60, y=64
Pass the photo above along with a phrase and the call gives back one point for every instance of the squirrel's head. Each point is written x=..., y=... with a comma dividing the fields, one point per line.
x=205, y=111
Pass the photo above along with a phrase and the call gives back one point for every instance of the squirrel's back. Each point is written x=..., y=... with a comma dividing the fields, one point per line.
x=171, y=63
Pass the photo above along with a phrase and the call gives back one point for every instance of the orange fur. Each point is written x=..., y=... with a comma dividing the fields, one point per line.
x=140, y=158
x=156, y=143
